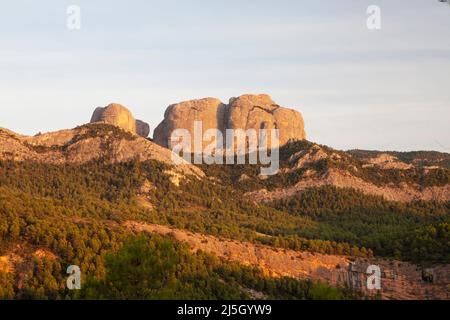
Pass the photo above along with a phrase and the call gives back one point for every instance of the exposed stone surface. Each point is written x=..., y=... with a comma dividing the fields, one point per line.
x=117, y=115
x=94, y=141
x=120, y=116
x=142, y=128
x=305, y=157
x=245, y=112
x=344, y=179
x=387, y=161
x=261, y=112
x=210, y=111
x=86, y=143
x=399, y=280
x=307, y=164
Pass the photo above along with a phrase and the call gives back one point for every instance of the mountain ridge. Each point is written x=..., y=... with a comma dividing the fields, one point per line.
x=75, y=195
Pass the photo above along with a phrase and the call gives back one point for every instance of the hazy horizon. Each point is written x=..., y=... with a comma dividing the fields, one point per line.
x=356, y=88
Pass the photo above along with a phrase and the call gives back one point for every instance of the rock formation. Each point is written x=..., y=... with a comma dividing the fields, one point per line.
x=400, y=280
x=260, y=112
x=142, y=128
x=87, y=143
x=245, y=112
x=120, y=116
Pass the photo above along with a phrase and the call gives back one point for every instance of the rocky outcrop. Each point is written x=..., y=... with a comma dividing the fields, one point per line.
x=244, y=112
x=308, y=166
x=261, y=112
x=399, y=280
x=344, y=179
x=210, y=111
x=387, y=161
x=142, y=128
x=120, y=116
x=87, y=143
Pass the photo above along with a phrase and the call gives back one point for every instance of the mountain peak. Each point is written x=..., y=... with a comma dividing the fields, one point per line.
x=119, y=115
x=249, y=111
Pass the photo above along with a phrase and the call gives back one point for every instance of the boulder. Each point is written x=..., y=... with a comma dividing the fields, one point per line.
x=142, y=128
x=118, y=115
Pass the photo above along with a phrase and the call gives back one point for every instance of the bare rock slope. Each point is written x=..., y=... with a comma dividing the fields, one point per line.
x=344, y=179
x=317, y=166
x=400, y=280
x=86, y=143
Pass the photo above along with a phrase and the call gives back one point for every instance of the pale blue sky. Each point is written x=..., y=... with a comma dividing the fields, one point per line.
x=386, y=89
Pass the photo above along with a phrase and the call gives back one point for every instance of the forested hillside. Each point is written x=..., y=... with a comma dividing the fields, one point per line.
x=55, y=215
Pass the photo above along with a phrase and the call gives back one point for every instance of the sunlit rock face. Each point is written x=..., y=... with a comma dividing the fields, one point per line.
x=118, y=115
x=244, y=112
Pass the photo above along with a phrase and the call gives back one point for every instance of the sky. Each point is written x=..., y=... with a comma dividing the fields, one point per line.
x=386, y=89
